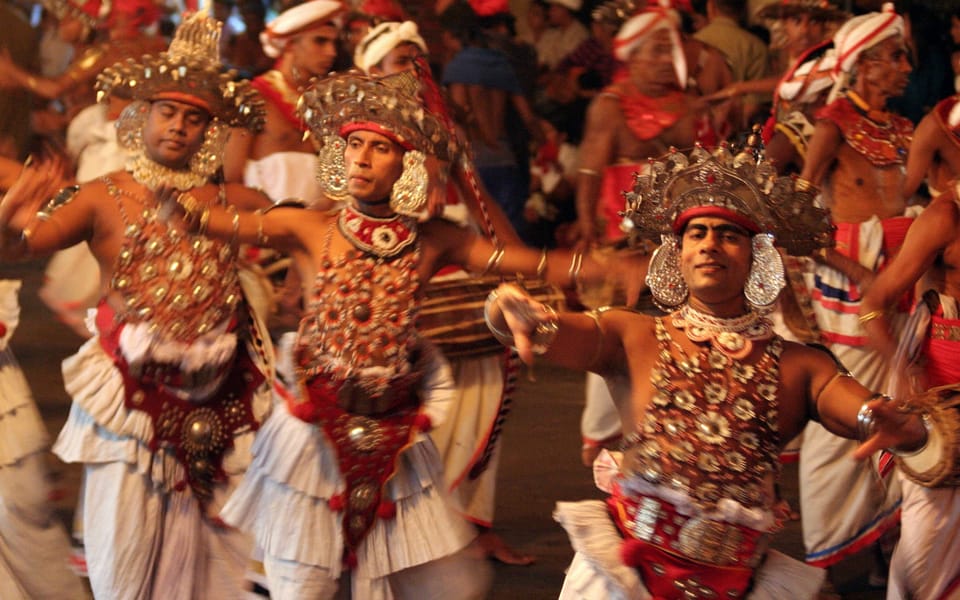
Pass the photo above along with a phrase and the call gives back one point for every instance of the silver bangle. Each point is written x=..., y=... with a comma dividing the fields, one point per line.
x=496, y=257
x=866, y=422
x=576, y=263
x=542, y=335
x=504, y=337
x=928, y=426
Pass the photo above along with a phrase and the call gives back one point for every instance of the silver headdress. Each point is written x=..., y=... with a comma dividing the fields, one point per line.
x=743, y=188
x=189, y=71
x=190, y=68
x=390, y=105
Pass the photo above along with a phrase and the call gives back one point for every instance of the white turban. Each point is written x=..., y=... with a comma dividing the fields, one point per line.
x=383, y=38
x=573, y=5
x=864, y=32
x=639, y=28
x=809, y=78
x=295, y=21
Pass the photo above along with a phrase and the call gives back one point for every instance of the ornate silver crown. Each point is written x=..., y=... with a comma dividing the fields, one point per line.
x=744, y=183
x=192, y=66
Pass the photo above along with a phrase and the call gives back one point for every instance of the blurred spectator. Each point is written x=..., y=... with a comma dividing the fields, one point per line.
x=564, y=34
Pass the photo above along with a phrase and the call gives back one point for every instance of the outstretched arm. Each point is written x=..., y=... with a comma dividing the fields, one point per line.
x=848, y=409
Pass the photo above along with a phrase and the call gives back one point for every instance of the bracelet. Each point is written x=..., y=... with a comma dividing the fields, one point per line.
x=189, y=204
x=595, y=315
x=576, y=263
x=262, y=239
x=866, y=422
x=204, y=221
x=542, y=335
x=542, y=265
x=489, y=305
x=234, y=223
x=804, y=185
x=496, y=257
x=588, y=172
x=31, y=83
x=928, y=425
x=870, y=316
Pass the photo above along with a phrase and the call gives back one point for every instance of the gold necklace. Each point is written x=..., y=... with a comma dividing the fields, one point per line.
x=152, y=175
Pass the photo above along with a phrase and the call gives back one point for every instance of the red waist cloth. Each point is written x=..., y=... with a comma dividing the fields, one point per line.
x=847, y=236
x=199, y=433
x=942, y=351
x=367, y=445
x=617, y=179
x=681, y=556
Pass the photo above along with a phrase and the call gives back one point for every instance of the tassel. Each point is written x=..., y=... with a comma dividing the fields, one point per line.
x=336, y=502
x=422, y=422
x=387, y=510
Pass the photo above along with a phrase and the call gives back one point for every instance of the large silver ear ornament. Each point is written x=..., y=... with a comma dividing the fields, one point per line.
x=664, y=278
x=766, y=277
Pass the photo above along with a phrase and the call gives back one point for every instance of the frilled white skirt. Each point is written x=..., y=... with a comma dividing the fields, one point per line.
x=283, y=502
x=143, y=538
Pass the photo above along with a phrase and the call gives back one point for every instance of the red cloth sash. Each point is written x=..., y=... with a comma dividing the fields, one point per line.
x=667, y=572
x=199, y=433
x=617, y=179
x=275, y=90
x=847, y=237
x=367, y=446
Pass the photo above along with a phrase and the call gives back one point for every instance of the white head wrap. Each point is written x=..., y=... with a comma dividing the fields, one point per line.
x=573, y=5
x=809, y=79
x=639, y=28
x=294, y=21
x=857, y=35
x=383, y=38
x=864, y=32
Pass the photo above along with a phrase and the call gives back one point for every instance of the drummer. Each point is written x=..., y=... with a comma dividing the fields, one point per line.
x=361, y=365
x=926, y=562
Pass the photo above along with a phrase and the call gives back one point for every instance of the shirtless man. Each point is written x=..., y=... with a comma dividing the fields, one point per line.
x=168, y=393
x=859, y=151
x=926, y=562
x=714, y=394
x=935, y=150
x=633, y=120
x=344, y=496
x=281, y=159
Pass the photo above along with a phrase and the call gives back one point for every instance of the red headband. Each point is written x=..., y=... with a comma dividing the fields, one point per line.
x=347, y=128
x=720, y=212
x=183, y=97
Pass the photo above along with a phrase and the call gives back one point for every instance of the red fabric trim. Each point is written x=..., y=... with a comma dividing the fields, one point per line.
x=720, y=212
x=660, y=16
x=948, y=594
x=346, y=129
x=183, y=97
x=942, y=366
x=278, y=98
x=865, y=540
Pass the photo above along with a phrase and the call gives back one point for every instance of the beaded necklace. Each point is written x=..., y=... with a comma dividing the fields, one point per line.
x=380, y=236
x=734, y=337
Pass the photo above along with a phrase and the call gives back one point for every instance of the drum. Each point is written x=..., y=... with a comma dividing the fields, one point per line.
x=938, y=463
x=451, y=313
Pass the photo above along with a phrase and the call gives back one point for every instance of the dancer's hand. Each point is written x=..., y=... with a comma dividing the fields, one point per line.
x=530, y=325
x=892, y=427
